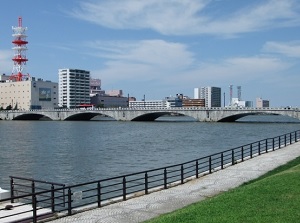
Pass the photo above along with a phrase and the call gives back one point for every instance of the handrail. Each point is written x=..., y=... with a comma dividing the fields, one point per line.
x=67, y=199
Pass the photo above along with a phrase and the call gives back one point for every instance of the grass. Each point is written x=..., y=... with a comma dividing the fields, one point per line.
x=274, y=197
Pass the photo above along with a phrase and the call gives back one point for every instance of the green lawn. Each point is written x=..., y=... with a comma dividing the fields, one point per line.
x=274, y=197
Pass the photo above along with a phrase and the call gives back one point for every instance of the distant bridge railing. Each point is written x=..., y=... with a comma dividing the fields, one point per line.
x=68, y=200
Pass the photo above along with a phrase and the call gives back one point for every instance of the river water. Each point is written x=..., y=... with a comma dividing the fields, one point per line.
x=73, y=152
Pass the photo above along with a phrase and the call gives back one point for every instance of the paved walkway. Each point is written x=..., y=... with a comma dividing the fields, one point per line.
x=149, y=206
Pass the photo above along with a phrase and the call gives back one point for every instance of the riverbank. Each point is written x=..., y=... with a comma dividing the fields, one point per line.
x=149, y=206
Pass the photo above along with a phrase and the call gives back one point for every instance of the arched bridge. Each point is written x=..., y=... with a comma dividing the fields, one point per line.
x=148, y=114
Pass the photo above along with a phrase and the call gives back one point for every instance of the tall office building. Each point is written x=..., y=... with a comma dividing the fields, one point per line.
x=211, y=95
x=74, y=87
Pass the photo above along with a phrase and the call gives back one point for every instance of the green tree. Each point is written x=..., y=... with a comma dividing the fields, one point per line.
x=9, y=107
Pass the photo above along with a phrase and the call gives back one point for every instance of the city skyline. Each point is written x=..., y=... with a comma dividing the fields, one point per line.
x=161, y=48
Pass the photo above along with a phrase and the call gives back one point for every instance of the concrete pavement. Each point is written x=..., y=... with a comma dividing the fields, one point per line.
x=149, y=206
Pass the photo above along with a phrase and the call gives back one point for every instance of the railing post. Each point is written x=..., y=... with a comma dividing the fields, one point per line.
x=285, y=140
x=12, y=190
x=99, y=194
x=232, y=157
x=251, y=151
x=165, y=178
x=69, y=202
x=279, y=141
x=259, y=148
x=34, y=205
x=52, y=199
x=124, y=188
x=222, y=161
x=209, y=164
x=273, y=144
x=32, y=188
x=266, y=145
x=242, y=151
x=182, y=173
x=197, y=169
x=146, y=183
x=290, y=138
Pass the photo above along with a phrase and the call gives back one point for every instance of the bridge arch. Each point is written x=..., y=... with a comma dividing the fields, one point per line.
x=152, y=116
x=234, y=117
x=84, y=116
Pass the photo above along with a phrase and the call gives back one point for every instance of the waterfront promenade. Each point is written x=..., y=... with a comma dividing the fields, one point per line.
x=154, y=204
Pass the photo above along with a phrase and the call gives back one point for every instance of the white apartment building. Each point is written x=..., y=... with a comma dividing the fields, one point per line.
x=147, y=104
x=211, y=95
x=28, y=94
x=168, y=102
x=74, y=87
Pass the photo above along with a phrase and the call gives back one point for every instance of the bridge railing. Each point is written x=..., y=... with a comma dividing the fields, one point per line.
x=153, y=108
x=75, y=198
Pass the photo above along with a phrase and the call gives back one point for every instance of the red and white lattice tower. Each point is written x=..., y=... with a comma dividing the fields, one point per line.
x=20, y=47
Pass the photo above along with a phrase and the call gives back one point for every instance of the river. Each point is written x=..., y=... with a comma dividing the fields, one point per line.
x=73, y=152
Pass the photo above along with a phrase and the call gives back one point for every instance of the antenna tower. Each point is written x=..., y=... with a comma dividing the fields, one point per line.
x=20, y=47
x=239, y=93
x=230, y=94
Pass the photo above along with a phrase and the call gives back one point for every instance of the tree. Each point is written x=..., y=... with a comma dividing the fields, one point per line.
x=9, y=107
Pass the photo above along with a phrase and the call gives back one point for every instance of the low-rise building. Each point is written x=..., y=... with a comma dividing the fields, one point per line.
x=106, y=101
x=193, y=102
x=260, y=103
x=28, y=94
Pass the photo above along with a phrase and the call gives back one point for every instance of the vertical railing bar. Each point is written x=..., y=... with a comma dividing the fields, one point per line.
x=242, y=151
x=285, y=140
x=124, y=188
x=34, y=205
x=99, y=194
x=12, y=187
x=52, y=199
x=146, y=183
x=197, y=169
x=165, y=178
x=69, y=202
x=181, y=173
x=222, y=161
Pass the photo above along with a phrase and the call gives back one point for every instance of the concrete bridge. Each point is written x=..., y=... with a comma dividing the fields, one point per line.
x=148, y=114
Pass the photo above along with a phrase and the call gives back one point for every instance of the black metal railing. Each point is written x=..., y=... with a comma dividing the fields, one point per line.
x=70, y=199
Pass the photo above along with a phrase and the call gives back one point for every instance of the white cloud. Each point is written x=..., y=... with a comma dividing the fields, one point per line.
x=151, y=58
x=186, y=17
x=173, y=65
x=290, y=49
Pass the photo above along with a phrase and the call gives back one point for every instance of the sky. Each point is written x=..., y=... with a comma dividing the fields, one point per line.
x=160, y=48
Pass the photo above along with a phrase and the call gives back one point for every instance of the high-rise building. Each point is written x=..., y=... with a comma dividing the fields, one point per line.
x=211, y=95
x=74, y=87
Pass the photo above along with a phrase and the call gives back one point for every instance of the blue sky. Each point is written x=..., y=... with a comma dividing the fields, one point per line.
x=160, y=48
